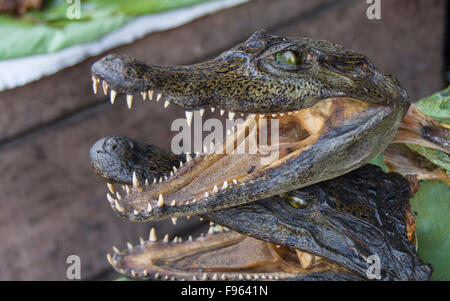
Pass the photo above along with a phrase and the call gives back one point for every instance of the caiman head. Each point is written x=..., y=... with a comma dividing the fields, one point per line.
x=330, y=108
x=332, y=230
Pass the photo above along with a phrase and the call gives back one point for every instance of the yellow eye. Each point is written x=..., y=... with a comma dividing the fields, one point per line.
x=297, y=202
x=290, y=57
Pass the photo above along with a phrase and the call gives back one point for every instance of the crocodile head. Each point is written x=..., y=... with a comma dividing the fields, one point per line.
x=325, y=110
x=325, y=231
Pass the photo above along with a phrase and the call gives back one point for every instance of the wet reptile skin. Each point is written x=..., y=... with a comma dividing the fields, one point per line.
x=347, y=219
x=249, y=79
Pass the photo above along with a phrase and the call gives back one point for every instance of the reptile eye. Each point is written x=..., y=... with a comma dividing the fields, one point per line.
x=297, y=202
x=290, y=57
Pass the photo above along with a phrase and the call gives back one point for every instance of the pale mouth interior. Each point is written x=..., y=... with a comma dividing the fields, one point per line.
x=243, y=155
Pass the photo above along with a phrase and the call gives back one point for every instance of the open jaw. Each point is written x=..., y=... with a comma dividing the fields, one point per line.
x=325, y=231
x=314, y=144
x=335, y=112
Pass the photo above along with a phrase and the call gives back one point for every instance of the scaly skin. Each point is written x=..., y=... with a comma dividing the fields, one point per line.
x=345, y=220
x=349, y=110
x=336, y=112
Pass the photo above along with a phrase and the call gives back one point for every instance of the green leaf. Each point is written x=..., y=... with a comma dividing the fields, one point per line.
x=432, y=204
x=437, y=106
x=50, y=30
x=437, y=157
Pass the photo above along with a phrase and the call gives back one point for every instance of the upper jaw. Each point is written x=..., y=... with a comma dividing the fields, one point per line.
x=246, y=79
x=354, y=142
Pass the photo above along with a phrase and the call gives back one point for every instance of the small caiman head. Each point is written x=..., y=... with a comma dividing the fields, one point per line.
x=325, y=110
x=331, y=230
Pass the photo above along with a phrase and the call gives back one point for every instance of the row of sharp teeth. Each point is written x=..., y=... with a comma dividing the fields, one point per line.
x=205, y=276
x=150, y=94
x=114, y=202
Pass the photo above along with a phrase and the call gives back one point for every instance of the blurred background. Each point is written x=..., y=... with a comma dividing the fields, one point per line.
x=52, y=204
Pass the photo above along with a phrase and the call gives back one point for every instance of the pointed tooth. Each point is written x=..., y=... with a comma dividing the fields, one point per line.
x=150, y=94
x=160, y=179
x=141, y=241
x=129, y=246
x=144, y=95
x=181, y=163
x=133, y=273
x=204, y=276
x=225, y=185
x=189, y=116
x=135, y=212
x=174, y=221
x=155, y=181
x=112, y=97
x=215, y=277
x=152, y=236
x=166, y=238
x=94, y=85
x=129, y=101
x=105, y=87
x=234, y=181
x=116, y=250
x=156, y=276
x=145, y=273
x=190, y=238
x=118, y=207
x=211, y=230
x=215, y=189
x=166, y=178
x=188, y=157
x=136, y=182
x=213, y=109
x=111, y=200
x=127, y=189
x=158, y=96
x=222, y=112
x=119, y=197
x=174, y=169
x=171, y=173
x=206, y=194
x=231, y=115
x=160, y=200
x=202, y=111
x=173, y=203
x=146, y=183
x=166, y=104
x=149, y=208
x=110, y=260
x=194, y=278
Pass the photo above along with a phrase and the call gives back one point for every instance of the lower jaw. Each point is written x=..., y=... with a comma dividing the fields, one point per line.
x=217, y=256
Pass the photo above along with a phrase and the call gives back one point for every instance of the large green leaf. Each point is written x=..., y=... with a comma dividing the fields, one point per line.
x=437, y=106
x=432, y=204
x=50, y=30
